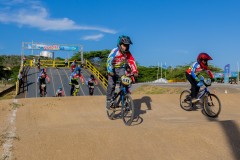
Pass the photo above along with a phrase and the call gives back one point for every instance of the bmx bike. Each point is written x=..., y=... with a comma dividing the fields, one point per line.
x=76, y=89
x=42, y=91
x=209, y=102
x=91, y=90
x=122, y=101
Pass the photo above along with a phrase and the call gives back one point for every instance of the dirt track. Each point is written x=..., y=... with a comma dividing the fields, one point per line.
x=77, y=128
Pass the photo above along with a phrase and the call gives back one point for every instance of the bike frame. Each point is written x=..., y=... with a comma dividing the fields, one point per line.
x=203, y=92
x=123, y=91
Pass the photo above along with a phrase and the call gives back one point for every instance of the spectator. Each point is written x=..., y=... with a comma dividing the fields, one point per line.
x=20, y=82
x=34, y=61
x=66, y=62
x=24, y=60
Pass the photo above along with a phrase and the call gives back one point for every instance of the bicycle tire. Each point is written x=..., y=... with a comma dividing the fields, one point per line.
x=212, y=105
x=42, y=92
x=127, y=110
x=111, y=113
x=185, y=103
x=91, y=91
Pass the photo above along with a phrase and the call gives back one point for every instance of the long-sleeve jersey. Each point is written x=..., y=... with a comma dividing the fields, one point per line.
x=42, y=79
x=59, y=92
x=75, y=76
x=91, y=82
x=118, y=60
x=196, y=68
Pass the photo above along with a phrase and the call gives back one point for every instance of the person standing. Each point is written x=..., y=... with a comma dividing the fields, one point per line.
x=20, y=82
x=66, y=62
x=34, y=61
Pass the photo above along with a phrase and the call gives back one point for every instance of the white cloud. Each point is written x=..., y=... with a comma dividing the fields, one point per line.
x=33, y=14
x=93, y=37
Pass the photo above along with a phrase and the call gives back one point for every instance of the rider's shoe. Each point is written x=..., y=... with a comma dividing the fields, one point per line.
x=127, y=109
x=195, y=100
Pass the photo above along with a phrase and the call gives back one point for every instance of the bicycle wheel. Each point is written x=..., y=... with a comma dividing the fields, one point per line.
x=111, y=112
x=212, y=105
x=185, y=100
x=127, y=110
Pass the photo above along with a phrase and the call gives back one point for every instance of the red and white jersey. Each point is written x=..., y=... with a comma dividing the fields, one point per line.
x=117, y=60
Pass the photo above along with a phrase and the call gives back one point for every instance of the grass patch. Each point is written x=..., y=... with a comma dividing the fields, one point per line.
x=10, y=95
x=150, y=89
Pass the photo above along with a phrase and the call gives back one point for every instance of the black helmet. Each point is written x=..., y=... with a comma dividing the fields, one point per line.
x=124, y=40
x=92, y=76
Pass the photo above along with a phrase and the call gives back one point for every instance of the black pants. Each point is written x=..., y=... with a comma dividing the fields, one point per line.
x=40, y=87
x=112, y=80
x=74, y=82
x=21, y=84
x=194, y=88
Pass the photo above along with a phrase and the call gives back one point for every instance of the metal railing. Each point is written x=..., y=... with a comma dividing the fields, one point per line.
x=97, y=73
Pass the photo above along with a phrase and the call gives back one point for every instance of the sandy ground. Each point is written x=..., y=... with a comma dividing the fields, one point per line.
x=77, y=128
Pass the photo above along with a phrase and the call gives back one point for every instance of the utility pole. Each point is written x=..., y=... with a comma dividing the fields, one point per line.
x=161, y=70
x=165, y=70
x=238, y=73
x=158, y=71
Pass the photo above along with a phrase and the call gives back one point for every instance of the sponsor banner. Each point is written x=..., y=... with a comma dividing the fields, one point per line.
x=69, y=48
x=52, y=47
x=221, y=75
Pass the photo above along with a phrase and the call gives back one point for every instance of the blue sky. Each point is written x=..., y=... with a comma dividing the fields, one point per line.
x=167, y=31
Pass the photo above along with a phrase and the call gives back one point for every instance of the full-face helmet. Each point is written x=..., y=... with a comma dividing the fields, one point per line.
x=124, y=40
x=203, y=56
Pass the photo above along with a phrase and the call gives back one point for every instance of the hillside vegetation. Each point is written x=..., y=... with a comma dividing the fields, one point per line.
x=146, y=73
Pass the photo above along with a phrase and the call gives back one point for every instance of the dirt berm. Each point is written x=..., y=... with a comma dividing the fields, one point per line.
x=77, y=128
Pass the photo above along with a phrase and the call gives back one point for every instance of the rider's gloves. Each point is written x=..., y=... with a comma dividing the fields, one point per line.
x=135, y=74
x=200, y=84
x=70, y=83
x=197, y=79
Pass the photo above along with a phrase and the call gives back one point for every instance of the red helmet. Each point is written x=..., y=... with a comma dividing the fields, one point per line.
x=203, y=56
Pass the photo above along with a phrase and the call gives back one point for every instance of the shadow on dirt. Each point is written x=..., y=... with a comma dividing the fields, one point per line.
x=138, y=103
x=231, y=130
x=232, y=133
